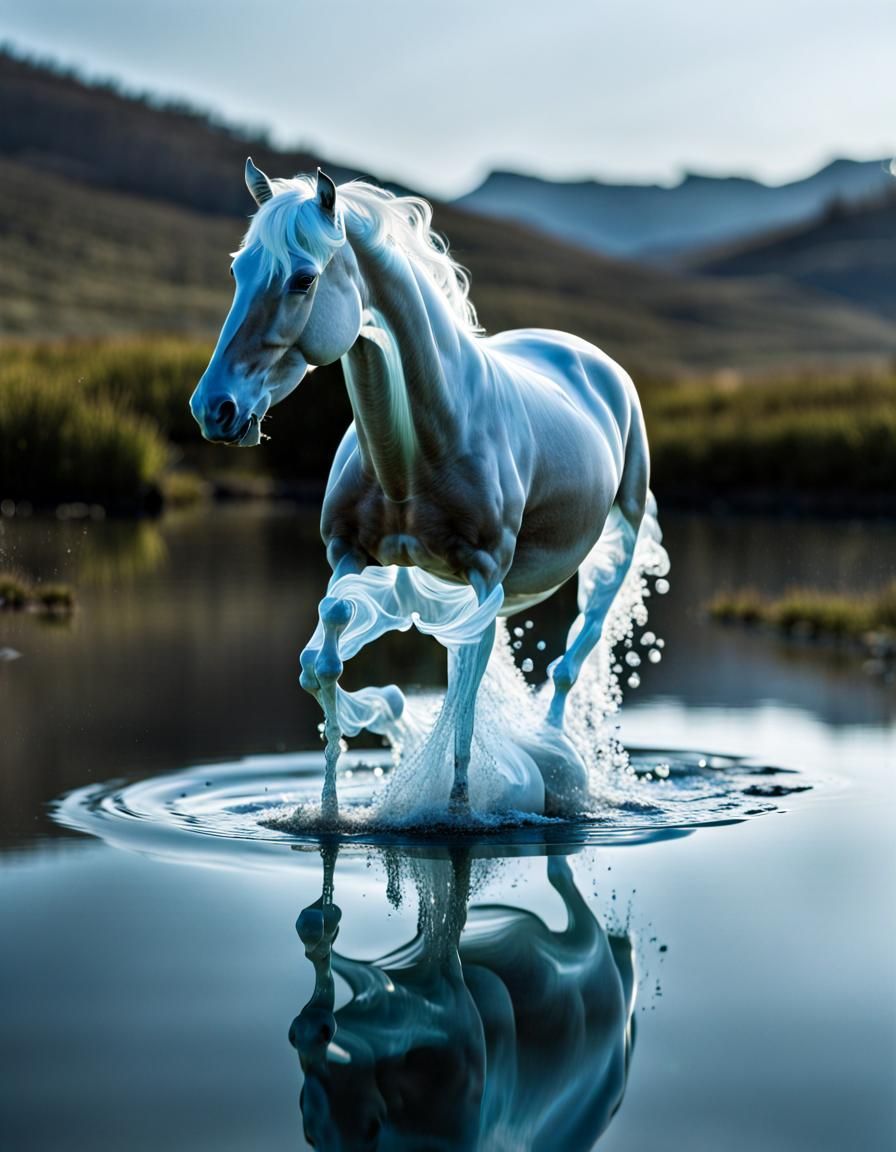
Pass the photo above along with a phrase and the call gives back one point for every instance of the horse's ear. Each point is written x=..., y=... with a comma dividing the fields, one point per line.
x=326, y=195
x=257, y=183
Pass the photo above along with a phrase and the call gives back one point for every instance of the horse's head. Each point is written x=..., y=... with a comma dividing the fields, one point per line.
x=296, y=305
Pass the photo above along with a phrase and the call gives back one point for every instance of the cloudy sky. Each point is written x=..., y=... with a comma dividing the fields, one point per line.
x=437, y=93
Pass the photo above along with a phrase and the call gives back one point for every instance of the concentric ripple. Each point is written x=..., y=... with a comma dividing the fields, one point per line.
x=262, y=809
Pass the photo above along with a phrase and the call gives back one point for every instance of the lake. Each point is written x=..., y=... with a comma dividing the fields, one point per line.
x=728, y=986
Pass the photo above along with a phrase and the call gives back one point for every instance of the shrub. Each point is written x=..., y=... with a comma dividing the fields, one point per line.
x=811, y=611
x=59, y=445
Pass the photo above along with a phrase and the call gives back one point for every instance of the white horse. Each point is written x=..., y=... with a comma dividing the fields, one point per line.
x=499, y=464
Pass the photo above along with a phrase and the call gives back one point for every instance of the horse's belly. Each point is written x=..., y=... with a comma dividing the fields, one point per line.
x=537, y=572
x=553, y=542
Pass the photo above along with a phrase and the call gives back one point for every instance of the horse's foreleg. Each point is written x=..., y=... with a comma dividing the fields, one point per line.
x=335, y=615
x=363, y=606
x=344, y=559
x=321, y=665
x=467, y=667
x=600, y=578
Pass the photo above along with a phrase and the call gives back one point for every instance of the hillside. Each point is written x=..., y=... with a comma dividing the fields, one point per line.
x=117, y=216
x=849, y=253
x=92, y=133
x=651, y=222
x=80, y=261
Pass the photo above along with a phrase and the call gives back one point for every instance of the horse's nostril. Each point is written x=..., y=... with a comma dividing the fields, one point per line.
x=225, y=413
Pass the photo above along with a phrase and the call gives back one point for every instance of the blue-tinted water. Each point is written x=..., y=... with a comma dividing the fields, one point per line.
x=148, y=989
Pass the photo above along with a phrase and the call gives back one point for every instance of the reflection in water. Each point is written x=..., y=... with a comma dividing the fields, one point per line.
x=122, y=552
x=487, y=1030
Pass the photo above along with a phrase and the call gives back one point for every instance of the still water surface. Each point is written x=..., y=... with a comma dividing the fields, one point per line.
x=732, y=988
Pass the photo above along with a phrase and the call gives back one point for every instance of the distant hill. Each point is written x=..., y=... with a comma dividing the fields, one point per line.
x=53, y=121
x=117, y=215
x=649, y=221
x=849, y=253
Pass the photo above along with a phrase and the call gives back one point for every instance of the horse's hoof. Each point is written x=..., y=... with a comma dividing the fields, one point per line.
x=316, y=925
x=310, y=927
x=459, y=801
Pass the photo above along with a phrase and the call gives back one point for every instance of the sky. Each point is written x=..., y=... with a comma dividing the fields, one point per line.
x=436, y=94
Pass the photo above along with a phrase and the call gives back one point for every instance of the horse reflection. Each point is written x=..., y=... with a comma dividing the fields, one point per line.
x=486, y=1031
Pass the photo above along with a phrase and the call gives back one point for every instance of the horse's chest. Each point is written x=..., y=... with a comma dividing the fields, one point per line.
x=400, y=548
x=419, y=534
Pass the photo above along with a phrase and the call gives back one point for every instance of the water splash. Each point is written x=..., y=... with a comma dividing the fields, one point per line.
x=521, y=761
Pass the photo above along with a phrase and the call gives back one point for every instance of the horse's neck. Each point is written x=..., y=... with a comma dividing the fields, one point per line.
x=402, y=373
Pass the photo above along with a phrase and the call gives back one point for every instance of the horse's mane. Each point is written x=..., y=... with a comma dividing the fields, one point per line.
x=290, y=223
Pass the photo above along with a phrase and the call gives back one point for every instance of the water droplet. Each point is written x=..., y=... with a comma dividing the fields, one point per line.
x=647, y=639
x=377, y=771
x=662, y=770
x=527, y=665
x=517, y=644
x=662, y=586
x=701, y=763
x=617, y=668
x=541, y=645
x=632, y=659
x=661, y=643
x=634, y=680
x=654, y=656
x=517, y=632
x=530, y=624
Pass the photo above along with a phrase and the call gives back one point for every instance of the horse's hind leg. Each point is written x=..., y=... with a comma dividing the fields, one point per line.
x=602, y=575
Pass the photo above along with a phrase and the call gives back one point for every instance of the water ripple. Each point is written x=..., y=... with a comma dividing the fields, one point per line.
x=261, y=809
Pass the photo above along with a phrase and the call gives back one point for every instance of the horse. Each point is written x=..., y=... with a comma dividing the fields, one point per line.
x=480, y=472
x=484, y=1031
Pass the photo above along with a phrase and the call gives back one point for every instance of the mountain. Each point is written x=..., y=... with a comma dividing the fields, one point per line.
x=849, y=253
x=649, y=221
x=117, y=215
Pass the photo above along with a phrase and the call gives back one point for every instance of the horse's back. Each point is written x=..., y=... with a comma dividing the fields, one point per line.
x=542, y=357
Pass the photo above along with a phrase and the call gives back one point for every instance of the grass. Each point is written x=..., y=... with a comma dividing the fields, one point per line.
x=62, y=443
x=18, y=592
x=829, y=438
x=95, y=421
x=811, y=612
x=153, y=377
x=182, y=488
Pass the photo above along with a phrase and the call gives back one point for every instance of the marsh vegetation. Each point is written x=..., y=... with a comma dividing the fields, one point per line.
x=108, y=422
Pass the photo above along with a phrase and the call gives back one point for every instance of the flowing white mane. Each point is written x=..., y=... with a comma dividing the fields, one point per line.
x=290, y=223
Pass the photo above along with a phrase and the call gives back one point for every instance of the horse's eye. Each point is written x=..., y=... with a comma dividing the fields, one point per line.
x=299, y=283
